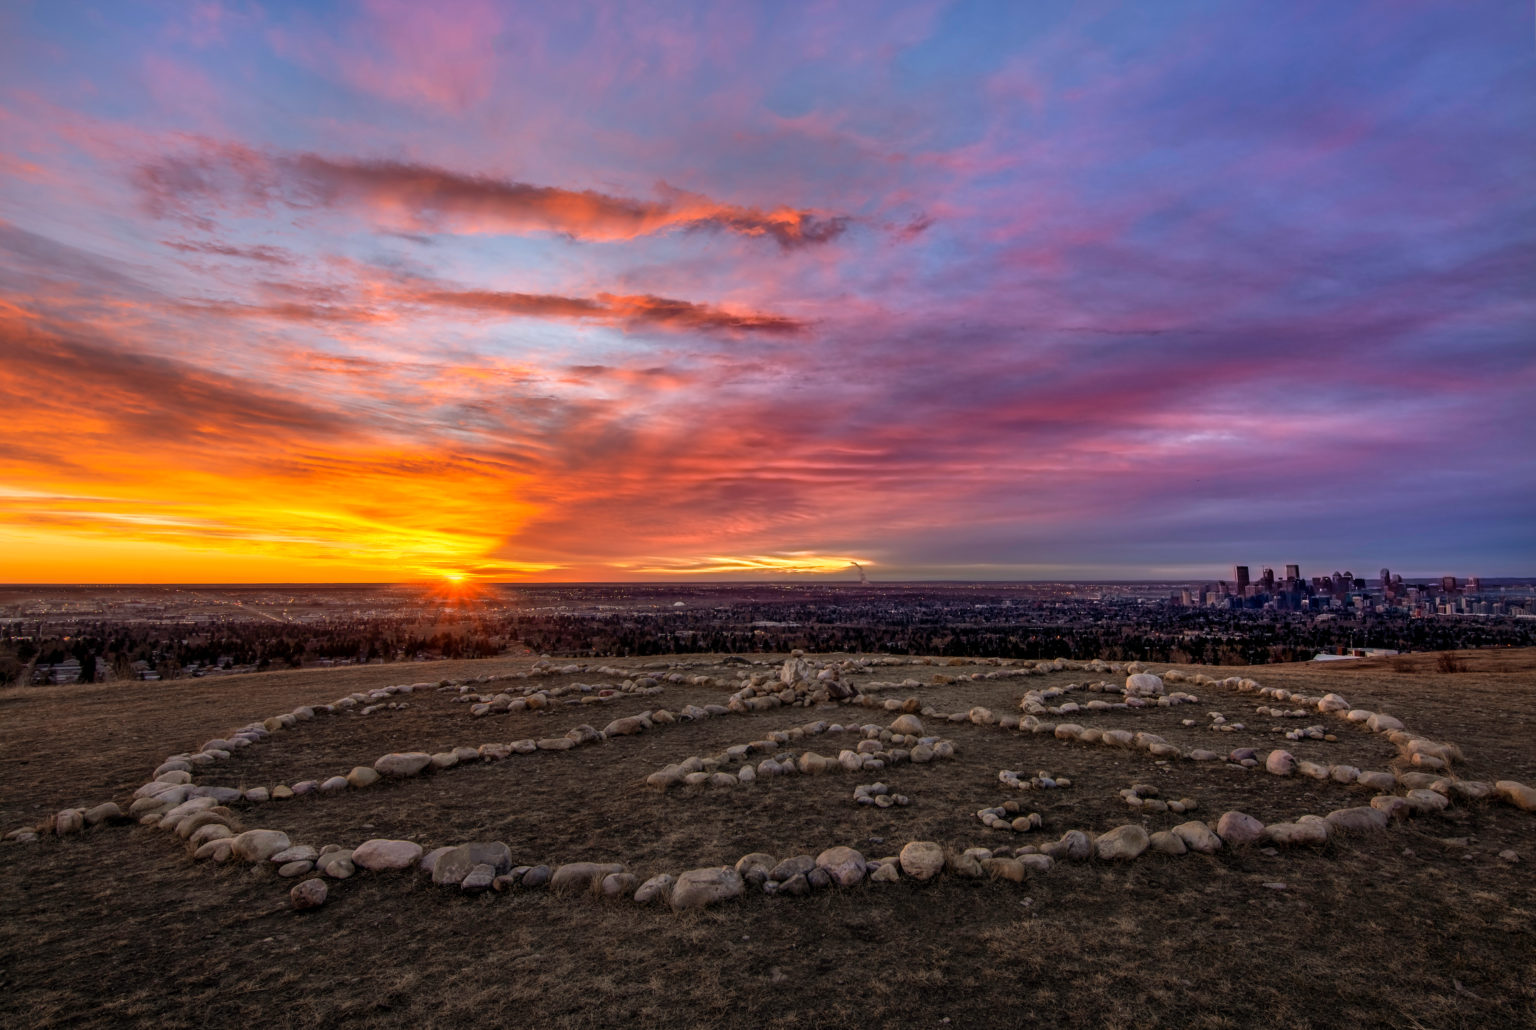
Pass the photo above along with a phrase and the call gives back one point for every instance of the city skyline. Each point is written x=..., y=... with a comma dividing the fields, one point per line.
x=377, y=292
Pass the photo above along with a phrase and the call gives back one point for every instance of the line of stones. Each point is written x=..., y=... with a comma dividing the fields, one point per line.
x=1122, y=842
x=879, y=748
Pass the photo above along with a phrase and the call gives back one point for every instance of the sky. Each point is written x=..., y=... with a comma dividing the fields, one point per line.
x=385, y=290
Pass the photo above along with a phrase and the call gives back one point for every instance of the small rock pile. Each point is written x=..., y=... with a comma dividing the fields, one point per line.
x=1145, y=797
x=1010, y=815
x=879, y=795
x=1041, y=780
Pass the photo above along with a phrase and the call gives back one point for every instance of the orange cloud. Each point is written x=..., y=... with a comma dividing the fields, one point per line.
x=630, y=311
x=198, y=184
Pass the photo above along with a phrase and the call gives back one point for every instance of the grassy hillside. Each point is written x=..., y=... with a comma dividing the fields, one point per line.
x=1420, y=926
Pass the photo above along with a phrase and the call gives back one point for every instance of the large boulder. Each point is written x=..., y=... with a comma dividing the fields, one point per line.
x=1197, y=837
x=922, y=859
x=453, y=865
x=1239, y=828
x=909, y=724
x=1303, y=831
x=699, y=887
x=582, y=876
x=1143, y=684
x=259, y=845
x=1280, y=763
x=403, y=763
x=1517, y=794
x=1381, y=722
x=1122, y=843
x=380, y=854
x=754, y=868
x=309, y=894
x=657, y=888
x=843, y=864
x=1364, y=819
x=788, y=869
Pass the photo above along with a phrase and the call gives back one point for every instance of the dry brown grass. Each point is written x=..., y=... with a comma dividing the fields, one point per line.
x=1413, y=928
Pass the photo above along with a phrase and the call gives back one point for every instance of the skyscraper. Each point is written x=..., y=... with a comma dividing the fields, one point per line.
x=1240, y=577
x=1293, y=572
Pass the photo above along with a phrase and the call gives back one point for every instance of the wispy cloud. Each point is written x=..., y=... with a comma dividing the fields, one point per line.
x=210, y=179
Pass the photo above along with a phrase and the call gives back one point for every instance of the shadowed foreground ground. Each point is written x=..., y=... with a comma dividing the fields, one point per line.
x=1422, y=926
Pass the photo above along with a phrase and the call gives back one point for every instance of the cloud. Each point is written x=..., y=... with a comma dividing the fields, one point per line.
x=269, y=255
x=410, y=197
x=389, y=304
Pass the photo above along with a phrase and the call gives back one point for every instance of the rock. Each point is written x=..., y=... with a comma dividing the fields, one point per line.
x=1197, y=837
x=799, y=865
x=1382, y=723
x=362, y=776
x=582, y=876
x=429, y=860
x=583, y=734
x=453, y=865
x=213, y=831
x=197, y=820
x=619, y=885
x=886, y=873
x=402, y=763
x=843, y=864
x=1165, y=842
x=144, y=806
x=1143, y=684
x=756, y=867
x=297, y=853
x=1122, y=843
x=1376, y=780
x=288, y=870
x=335, y=783
x=797, y=886
x=259, y=845
x=309, y=894
x=479, y=878
x=627, y=726
x=1010, y=869
x=218, y=850
x=1390, y=805
x=1311, y=831
x=538, y=876
x=282, y=792
x=1424, y=801
x=380, y=854
x=1280, y=763
x=105, y=812
x=1356, y=820
x=1517, y=794
x=337, y=865
x=657, y=888
x=908, y=724
x=699, y=887
x=1076, y=846
x=1239, y=828
x=922, y=860
x=1473, y=790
